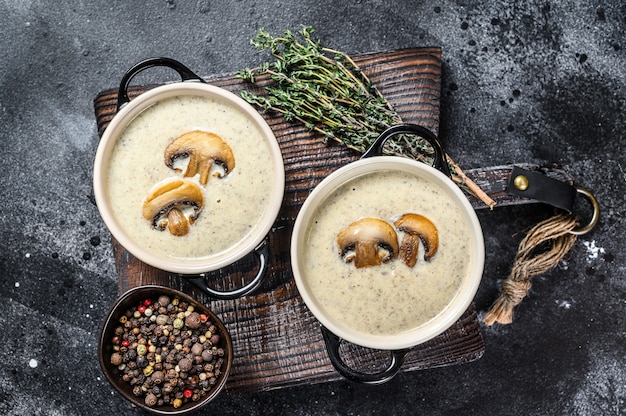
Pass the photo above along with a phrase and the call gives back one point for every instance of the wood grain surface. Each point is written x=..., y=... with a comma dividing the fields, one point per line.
x=277, y=341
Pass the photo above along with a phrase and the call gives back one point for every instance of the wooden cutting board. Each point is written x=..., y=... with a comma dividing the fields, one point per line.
x=277, y=341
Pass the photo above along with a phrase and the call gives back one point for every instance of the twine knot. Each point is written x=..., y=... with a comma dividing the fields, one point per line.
x=542, y=248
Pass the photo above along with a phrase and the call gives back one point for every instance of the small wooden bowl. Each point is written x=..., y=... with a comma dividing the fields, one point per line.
x=131, y=299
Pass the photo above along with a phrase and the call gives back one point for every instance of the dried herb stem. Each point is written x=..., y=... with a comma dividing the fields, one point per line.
x=328, y=93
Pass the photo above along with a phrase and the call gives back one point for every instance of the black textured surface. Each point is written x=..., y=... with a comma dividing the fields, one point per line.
x=523, y=81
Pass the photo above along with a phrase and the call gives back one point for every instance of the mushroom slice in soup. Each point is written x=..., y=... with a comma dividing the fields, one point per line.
x=203, y=149
x=417, y=227
x=368, y=242
x=166, y=205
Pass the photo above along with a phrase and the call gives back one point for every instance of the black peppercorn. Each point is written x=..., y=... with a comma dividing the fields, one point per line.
x=197, y=349
x=141, y=361
x=193, y=320
x=164, y=300
x=207, y=355
x=192, y=382
x=157, y=377
x=151, y=399
x=185, y=365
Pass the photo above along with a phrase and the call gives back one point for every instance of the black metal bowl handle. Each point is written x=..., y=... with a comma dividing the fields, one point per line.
x=439, y=159
x=185, y=73
x=333, y=342
x=262, y=252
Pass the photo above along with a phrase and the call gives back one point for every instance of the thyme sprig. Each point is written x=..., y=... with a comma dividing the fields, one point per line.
x=325, y=90
x=329, y=94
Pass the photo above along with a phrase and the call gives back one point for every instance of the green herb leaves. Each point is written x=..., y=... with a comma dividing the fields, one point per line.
x=326, y=91
x=320, y=87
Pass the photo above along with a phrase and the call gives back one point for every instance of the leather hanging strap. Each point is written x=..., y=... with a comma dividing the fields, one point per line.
x=545, y=244
x=536, y=186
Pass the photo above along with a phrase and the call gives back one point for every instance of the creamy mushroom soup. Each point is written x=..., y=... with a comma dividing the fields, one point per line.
x=389, y=298
x=232, y=205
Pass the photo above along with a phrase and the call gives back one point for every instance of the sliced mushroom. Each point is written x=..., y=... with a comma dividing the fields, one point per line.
x=177, y=223
x=203, y=149
x=168, y=200
x=368, y=242
x=417, y=227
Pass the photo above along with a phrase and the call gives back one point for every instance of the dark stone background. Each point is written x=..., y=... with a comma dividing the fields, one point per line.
x=523, y=81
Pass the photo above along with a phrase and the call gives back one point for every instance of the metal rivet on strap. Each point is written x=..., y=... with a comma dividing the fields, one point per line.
x=521, y=182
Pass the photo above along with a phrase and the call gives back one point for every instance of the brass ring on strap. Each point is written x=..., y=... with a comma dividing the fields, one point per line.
x=594, y=217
